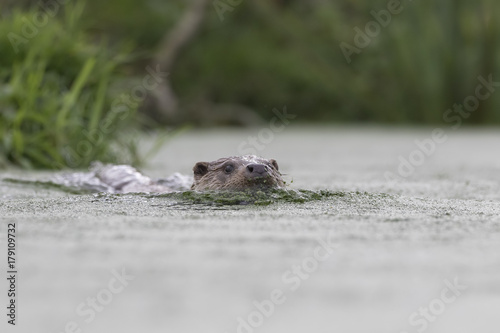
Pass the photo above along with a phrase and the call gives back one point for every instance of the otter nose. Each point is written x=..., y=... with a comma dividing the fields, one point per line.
x=257, y=169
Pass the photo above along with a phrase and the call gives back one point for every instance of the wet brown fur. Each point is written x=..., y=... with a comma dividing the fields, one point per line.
x=215, y=176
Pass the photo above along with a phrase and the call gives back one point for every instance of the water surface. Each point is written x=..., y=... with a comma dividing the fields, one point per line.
x=201, y=262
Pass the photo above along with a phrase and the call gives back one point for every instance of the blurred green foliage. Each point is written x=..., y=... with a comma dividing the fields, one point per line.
x=266, y=54
x=427, y=59
x=55, y=100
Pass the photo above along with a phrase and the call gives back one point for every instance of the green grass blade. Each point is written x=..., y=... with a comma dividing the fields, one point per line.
x=72, y=97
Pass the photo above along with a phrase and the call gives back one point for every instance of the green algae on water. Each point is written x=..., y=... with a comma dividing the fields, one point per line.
x=216, y=198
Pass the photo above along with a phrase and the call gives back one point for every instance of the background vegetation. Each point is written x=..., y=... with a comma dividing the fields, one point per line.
x=266, y=54
x=55, y=95
x=263, y=54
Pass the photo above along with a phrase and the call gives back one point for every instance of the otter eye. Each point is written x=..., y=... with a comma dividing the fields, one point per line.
x=229, y=168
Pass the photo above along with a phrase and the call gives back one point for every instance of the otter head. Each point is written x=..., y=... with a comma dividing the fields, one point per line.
x=237, y=173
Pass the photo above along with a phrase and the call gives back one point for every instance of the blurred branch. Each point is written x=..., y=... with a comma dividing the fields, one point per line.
x=181, y=35
x=164, y=101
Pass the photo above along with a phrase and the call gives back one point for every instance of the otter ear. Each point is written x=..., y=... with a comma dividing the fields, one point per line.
x=200, y=169
x=274, y=163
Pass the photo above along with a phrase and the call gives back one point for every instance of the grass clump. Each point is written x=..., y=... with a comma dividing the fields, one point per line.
x=57, y=109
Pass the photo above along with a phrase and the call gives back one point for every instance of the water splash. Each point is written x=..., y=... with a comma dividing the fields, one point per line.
x=214, y=198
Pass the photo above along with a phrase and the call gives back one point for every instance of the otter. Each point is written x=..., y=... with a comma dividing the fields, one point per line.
x=235, y=173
